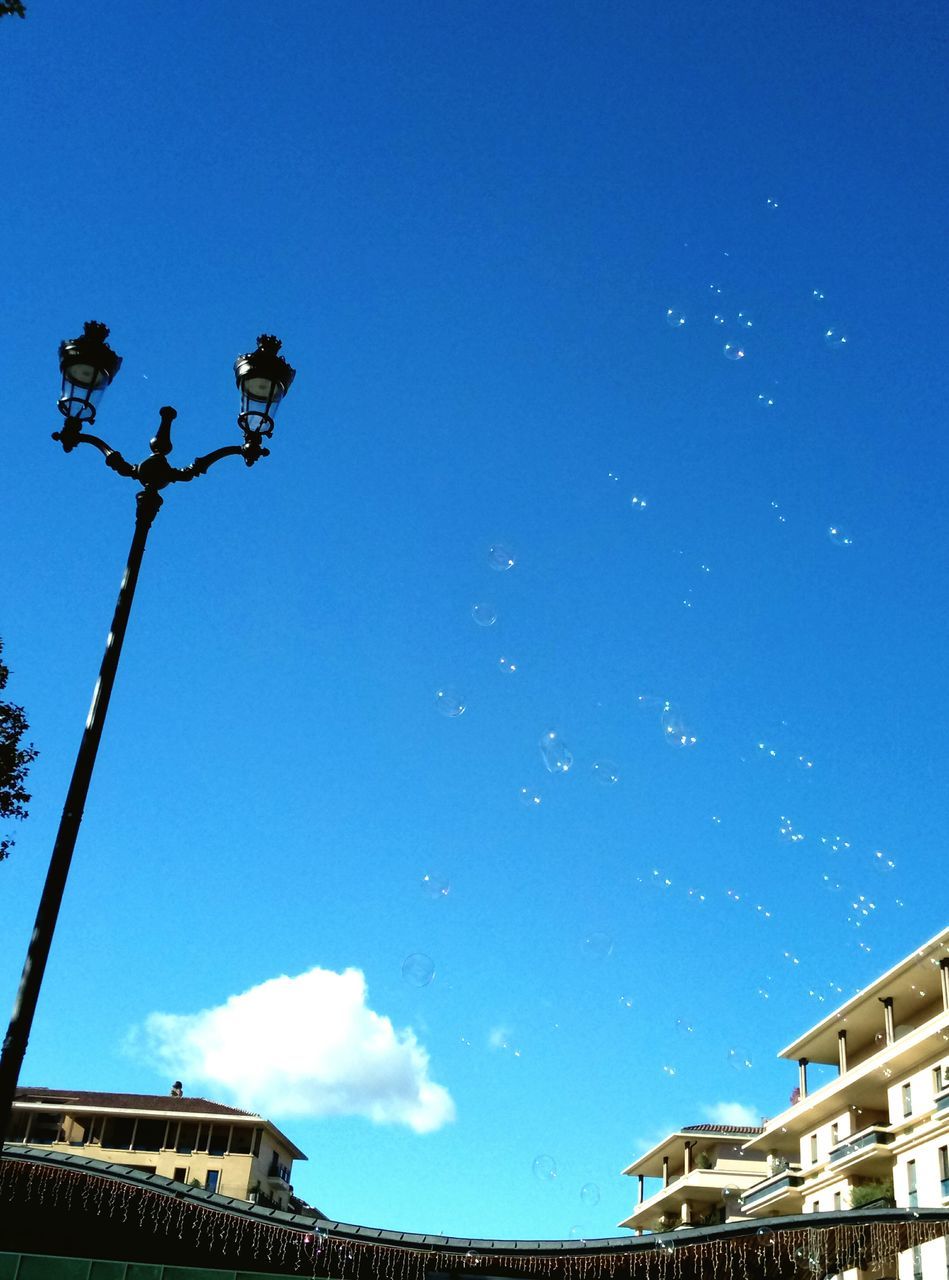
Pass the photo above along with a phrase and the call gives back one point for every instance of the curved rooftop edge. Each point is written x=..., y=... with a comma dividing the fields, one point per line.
x=101, y=1197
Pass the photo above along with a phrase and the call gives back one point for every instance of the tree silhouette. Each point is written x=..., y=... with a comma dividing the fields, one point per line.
x=15, y=760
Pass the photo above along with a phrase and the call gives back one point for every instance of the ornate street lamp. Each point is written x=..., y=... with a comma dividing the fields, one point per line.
x=88, y=365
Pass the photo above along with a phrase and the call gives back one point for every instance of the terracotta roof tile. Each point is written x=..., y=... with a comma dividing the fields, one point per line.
x=722, y=1128
x=129, y=1101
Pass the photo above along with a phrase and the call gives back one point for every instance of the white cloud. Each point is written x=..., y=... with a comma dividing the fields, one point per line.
x=302, y=1046
x=732, y=1113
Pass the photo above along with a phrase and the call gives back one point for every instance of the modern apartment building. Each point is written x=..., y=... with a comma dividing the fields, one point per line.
x=190, y=1140
x=878, y=1131
x=703, y=1168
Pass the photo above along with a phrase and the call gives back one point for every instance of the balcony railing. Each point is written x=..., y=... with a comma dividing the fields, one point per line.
x=279, y=1172
x=877, y=1136
x=785, y=1180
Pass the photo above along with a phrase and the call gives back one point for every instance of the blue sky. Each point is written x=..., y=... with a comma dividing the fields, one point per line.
x=468, y=223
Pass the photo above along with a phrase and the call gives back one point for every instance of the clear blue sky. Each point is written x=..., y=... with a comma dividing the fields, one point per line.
x=468, y=222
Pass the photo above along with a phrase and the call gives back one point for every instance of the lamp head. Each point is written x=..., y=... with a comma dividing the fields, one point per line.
x=87, y=364
x=264, y=378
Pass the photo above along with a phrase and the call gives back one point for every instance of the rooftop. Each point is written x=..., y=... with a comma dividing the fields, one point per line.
x=129, y=1102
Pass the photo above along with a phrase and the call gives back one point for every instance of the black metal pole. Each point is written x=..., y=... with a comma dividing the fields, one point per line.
x=24, y=1007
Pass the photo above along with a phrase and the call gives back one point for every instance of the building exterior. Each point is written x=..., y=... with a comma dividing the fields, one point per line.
x=703, y=1168
x=876, y=1134
x=189, y=1140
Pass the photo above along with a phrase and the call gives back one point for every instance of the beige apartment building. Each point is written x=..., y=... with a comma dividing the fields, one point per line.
x=191, y=1140
x=878, y=1131
x=703, y=1169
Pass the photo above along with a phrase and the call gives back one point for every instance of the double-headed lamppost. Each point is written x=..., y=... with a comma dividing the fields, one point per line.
x=88, y=366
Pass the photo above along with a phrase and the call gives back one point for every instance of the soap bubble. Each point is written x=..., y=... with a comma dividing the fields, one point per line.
x=667, y=1246
x=449, y=702
x=766, y=402
x=605, y=772
x=528, y=797
x=545, y=1168
x=718, y=318
x=435, y=886
x=556, y=757
x=506, y=665
x=590, y=1193
x=669, y=1070
x=484, y=614
x=674, y=318
x=772, y=204
x=683, y=1025
x=597, y=946
x=744, y=320
x=418, y=969
x=715, y=288
x=578, y=1232
x=817, y=295
x=766, y=1235
x=839, y=537
x=674, y=731
x=500, y=557
x=637, y=503
x=739, y=1059
x=834, y=340
x=733, y=351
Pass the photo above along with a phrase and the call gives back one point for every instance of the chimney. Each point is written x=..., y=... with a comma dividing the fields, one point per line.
x=176, y=1089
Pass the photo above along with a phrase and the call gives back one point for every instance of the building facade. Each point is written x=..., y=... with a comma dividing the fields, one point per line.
x=190, y=1140
x=878, y=1133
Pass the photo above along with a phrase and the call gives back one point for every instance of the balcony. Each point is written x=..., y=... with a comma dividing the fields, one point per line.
x=780, y=1193
x=863, y=1148
x=942, y=1100
x=278, y=1173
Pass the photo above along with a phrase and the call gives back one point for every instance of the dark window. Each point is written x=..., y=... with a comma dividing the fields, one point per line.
x=19, y=1122
x=813, y=1148
x=834, y=1134
x=187, y=1137
x=257, y=1135
x=217, y=1140
x=46, y=1127
x=240, y=1141
x=181, y=1174
x=911, y=1183
x=212, y=1180
x=150, y=1135
x=944, y=1173
x=838, y=1200
x=937, y=1079
x=118, y=1131
x=907, y=1099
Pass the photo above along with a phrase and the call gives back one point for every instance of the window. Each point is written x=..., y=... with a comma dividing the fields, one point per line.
x=181, y=1173
x=838, y=1200
x=944, y=1173
x=937, y=1079
x=150, y=1135
x=834, y=1134
x=187, y=1138
x=913, y=1197
x=907, y=1099
x=241, y=1140
x=46, y=1127
x=917, y=1263
x=813, y=1148
x=815, y=1207
x=118, y=1131
x=212, y=1180
x=217, y=1140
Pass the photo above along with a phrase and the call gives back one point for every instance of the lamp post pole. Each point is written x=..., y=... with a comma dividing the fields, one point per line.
x=88, y=366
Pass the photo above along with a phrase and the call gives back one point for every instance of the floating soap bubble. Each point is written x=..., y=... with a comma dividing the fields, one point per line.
x=597, y=946
x=745, y=321
x=611, y=475
x=766, y=1235
x=500, y=557
x=507, y=665
x=605, y=772
x=484, y=614
x=766, y=402
x=674, y=318
x=817, y=295
x=544, y=1168
x=578, y=1232
x=637, y=503
x=830, y=884
x=556, y=757
x=718, y=318
x=883, y=862
x=626, y=1002
x=839, y=537
x=674, y=731
x=834, y=340
x=435, y=886
x=669, y=1069
x=528, y=797
x=418, y=969
x=683, y=1025
x=715, y=288
x=449, y=702
x=590, y=1193
x=739, y=1059
x=733, y=351
x=716, y=819
x=772, y=204
x=666, y=1246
